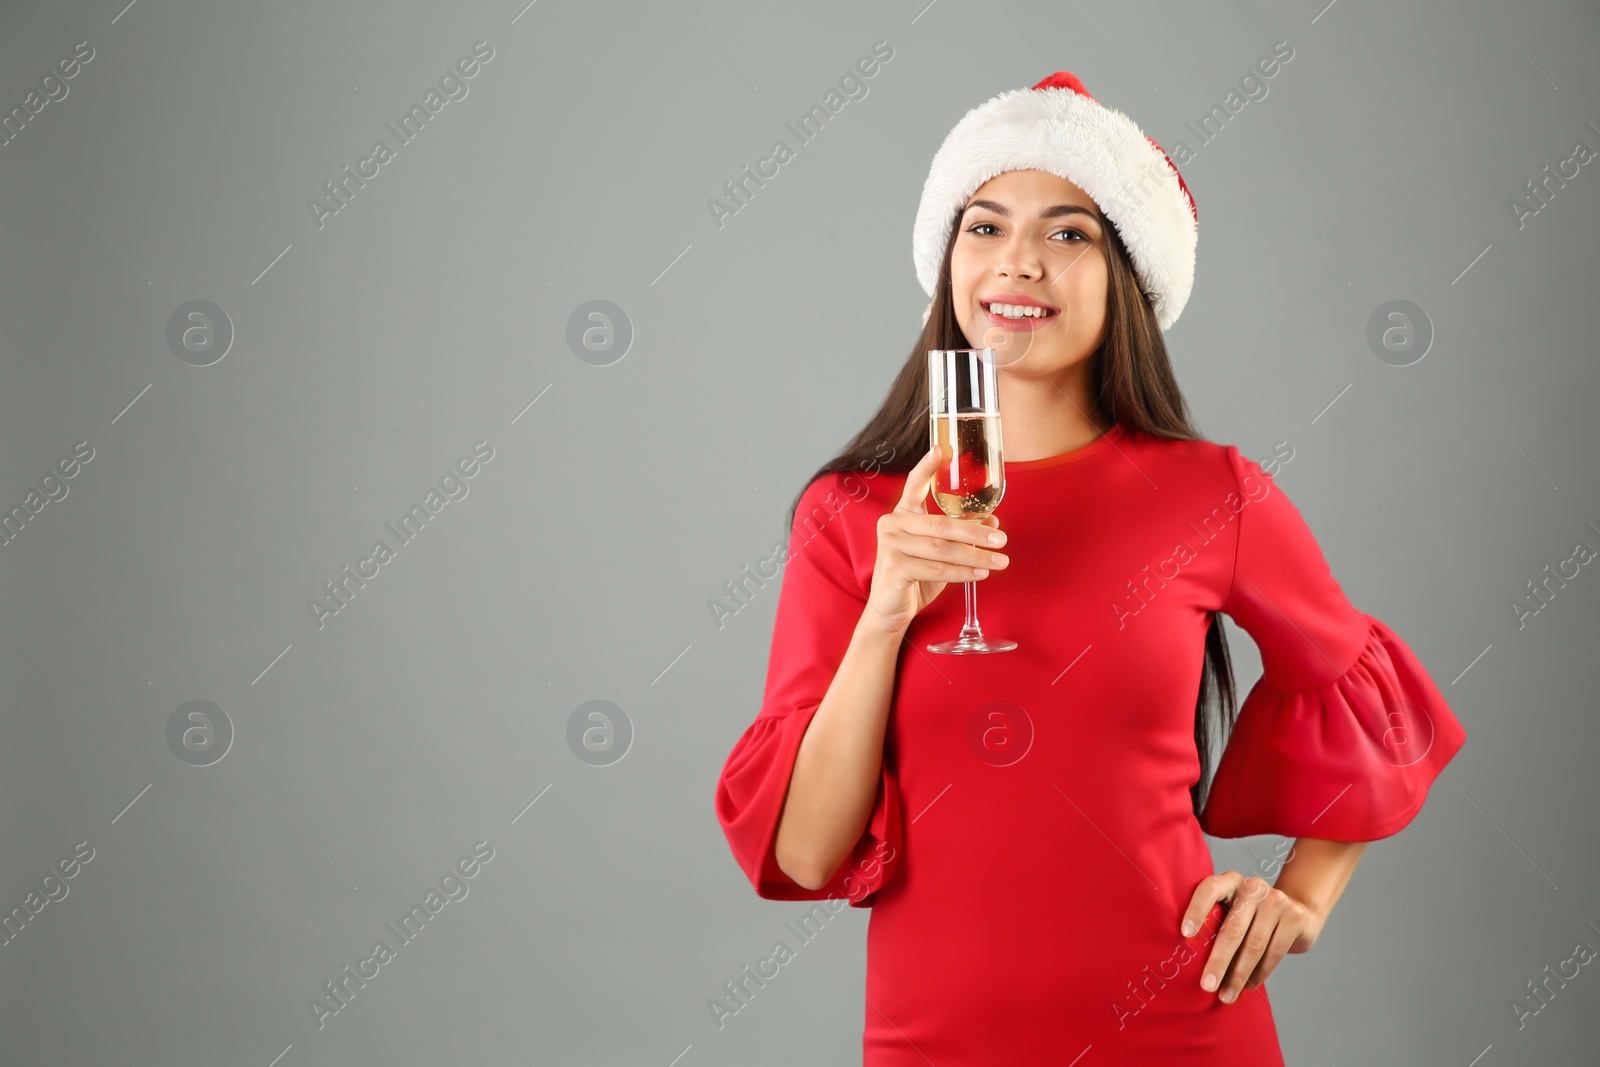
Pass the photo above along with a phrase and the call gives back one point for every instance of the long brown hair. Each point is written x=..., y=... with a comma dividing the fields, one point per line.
x=1132, y=383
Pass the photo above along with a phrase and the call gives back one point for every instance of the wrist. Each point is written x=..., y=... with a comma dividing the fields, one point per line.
x=1316, y=906
x=875, y=630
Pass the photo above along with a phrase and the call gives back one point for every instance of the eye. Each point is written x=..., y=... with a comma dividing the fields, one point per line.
x=978, y=226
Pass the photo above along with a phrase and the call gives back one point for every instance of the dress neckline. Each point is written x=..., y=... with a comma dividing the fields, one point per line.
x=1099, y=444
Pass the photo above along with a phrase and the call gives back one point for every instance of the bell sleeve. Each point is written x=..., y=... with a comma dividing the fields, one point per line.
x=819, y=604
x=1345, y=730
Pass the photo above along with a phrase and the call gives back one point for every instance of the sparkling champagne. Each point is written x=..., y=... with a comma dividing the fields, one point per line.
x=964, y=420
x=970, y=484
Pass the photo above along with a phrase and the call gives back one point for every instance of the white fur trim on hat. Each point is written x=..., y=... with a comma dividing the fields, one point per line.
x=1059, y=128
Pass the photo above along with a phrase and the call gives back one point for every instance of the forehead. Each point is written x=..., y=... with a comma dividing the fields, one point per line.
x=1032, y=187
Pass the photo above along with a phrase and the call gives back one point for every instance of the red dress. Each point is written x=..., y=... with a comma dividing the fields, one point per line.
x=1033, y=847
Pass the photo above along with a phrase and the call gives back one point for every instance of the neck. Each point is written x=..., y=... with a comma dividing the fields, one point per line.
x=1044, y=417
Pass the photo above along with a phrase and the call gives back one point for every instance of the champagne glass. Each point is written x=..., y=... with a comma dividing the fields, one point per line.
x=964, y=417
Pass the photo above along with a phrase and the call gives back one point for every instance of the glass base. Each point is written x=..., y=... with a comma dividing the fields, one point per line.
x=973, y=642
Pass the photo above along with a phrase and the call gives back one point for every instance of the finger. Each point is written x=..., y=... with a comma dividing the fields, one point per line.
x=916, y=490
x=961, y=531
x=1282, y=938
x=928, y=570
x=1229, y=937
x=1257, y=889
x=946, y=549
x=967, y=544
x=1263, y=924
x=1210, y=890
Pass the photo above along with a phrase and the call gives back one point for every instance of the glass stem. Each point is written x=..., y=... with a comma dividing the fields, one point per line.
x=971, y=628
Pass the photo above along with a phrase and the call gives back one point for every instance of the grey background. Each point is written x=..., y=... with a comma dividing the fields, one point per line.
x=431, y=311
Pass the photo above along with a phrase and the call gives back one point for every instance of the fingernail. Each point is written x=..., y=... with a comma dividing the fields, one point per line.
x=1227, y=998
x=1208, y=983
x=997, y=539
x=1188, y=929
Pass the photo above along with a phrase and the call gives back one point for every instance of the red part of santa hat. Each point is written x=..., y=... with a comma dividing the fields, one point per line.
x=1057, y=127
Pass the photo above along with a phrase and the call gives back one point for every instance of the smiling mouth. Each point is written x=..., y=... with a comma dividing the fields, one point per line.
x=1017, y=316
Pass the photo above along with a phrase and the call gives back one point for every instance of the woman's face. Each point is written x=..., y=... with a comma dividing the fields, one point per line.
x=1031, y=237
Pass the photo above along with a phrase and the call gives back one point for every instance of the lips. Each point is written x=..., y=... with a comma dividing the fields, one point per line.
x=1027, y=322
x=1017, y=298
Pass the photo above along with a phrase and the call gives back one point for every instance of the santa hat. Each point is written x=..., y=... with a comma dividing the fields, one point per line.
x=1056, y=126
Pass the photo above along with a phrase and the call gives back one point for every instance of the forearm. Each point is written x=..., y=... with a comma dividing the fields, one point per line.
x=840, y=760
x=1317, y=871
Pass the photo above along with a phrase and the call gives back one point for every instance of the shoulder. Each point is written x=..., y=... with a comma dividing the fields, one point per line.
x=1194, y=451
x=1204, y=453
x=1255, y=475
x=842, y=509
x=1197, y=462
x=836, y=491
x=1199, y=458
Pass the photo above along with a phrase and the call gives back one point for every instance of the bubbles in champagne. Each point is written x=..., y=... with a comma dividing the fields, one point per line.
x=971, y=482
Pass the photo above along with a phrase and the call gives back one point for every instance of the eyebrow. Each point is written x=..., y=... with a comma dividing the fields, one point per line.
x=1047, y=213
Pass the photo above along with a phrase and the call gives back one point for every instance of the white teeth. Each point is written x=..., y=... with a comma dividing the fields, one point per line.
x=1018, y=311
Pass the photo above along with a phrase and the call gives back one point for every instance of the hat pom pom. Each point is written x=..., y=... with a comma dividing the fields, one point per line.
x=1064, y=79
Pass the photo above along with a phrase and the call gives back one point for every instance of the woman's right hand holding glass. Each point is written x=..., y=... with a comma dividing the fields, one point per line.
x=920, y=553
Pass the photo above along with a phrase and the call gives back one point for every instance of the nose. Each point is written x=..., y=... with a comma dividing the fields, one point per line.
x=1019, y=259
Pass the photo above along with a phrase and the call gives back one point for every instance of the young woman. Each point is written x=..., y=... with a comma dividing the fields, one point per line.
x=1026, y=826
